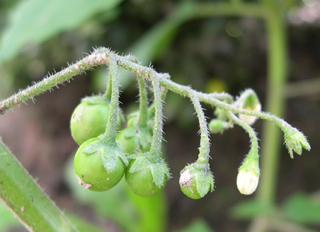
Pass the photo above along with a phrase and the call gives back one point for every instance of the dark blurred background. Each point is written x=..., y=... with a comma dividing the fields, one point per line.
x=209, y=53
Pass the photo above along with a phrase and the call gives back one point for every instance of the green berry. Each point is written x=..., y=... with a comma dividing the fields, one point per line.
x=91, y=172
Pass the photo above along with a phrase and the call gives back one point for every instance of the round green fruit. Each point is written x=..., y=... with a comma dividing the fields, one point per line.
x=92, y=174
x=141, y=183
x=188, y=185
x=89, y=119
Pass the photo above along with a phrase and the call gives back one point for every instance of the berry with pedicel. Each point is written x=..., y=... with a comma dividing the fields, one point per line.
x=135, y=139
x=145, y=176
x=92, y=172
x=196, y=180
x=89, y=119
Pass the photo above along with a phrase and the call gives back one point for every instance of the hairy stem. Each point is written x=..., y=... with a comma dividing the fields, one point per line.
x=143, y=114
x=111, y=129
x=101, y=57
x=253, y=137
x=109, y=87
x=157, y=131
x=204, y=141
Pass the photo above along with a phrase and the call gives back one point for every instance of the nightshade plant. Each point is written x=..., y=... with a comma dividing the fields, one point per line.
x=106, y=155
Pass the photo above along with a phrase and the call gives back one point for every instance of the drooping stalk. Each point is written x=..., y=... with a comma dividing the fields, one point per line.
x=143, y=107
x=111, y=128
x=254, y=150
x=109, y=88
x=204, y=148
x=158, y=118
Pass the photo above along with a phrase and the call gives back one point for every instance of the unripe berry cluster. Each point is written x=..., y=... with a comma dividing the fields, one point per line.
x=106, y=153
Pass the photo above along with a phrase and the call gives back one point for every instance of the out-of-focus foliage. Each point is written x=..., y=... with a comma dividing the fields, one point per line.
x=35, y=21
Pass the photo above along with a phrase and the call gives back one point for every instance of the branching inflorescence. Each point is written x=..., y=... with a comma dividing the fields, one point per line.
x=105, y=154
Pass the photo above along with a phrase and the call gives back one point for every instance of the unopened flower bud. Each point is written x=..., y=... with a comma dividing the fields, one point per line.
x=248, y=176
x=247, y=182
x=217, y=126
x=295, y=141
x=196, y=182
x=249, y=101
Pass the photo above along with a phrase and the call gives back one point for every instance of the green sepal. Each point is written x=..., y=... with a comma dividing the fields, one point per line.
x=221, y=113
x=160, y=173
x=295, y=141
x=141, y=162
x=202, y=177
x=251, y=163
x=205, y=182
x=135, y=139
x=159, y=170
x=109, y=150
x=129, y=132
x=133, y=120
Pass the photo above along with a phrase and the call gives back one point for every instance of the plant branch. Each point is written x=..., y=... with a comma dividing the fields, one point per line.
x=204, y=148
x=158, y=118
x=101, y=56
x=111, y=129
x=143, y=115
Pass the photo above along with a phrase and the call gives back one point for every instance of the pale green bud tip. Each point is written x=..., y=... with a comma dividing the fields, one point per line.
x=295, y=141
x=247, y=182
x=249, y=101
x=248, y=118
x=216, y=126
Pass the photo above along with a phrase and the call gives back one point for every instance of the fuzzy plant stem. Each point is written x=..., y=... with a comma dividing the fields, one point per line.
x=158, y=118
x=143, y=114
x=163, y=98
x=253, y=137
x=204, y=148
x=101, y=57
x=111, y=128
x=109, y=87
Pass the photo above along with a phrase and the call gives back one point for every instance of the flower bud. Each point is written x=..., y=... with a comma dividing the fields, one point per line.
x=249, y=172
x=196, y=182
x=217, y=126
x=295, y=141
x=249, y=101
x=247, y=182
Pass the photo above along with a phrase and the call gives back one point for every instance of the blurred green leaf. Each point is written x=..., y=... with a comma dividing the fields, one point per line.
x=198, y=225
x=83, y=225
x=301, y=209
x=151, y=45
x=152, y=212
x=34, y=21
x=249, y=209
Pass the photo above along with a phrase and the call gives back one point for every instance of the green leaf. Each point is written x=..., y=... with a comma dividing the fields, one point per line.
x=301, y=209
x=151, y=45
x=35, y=21
x=198, y=225
x=83, y=225
x=25, y=199
x=249, y=209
